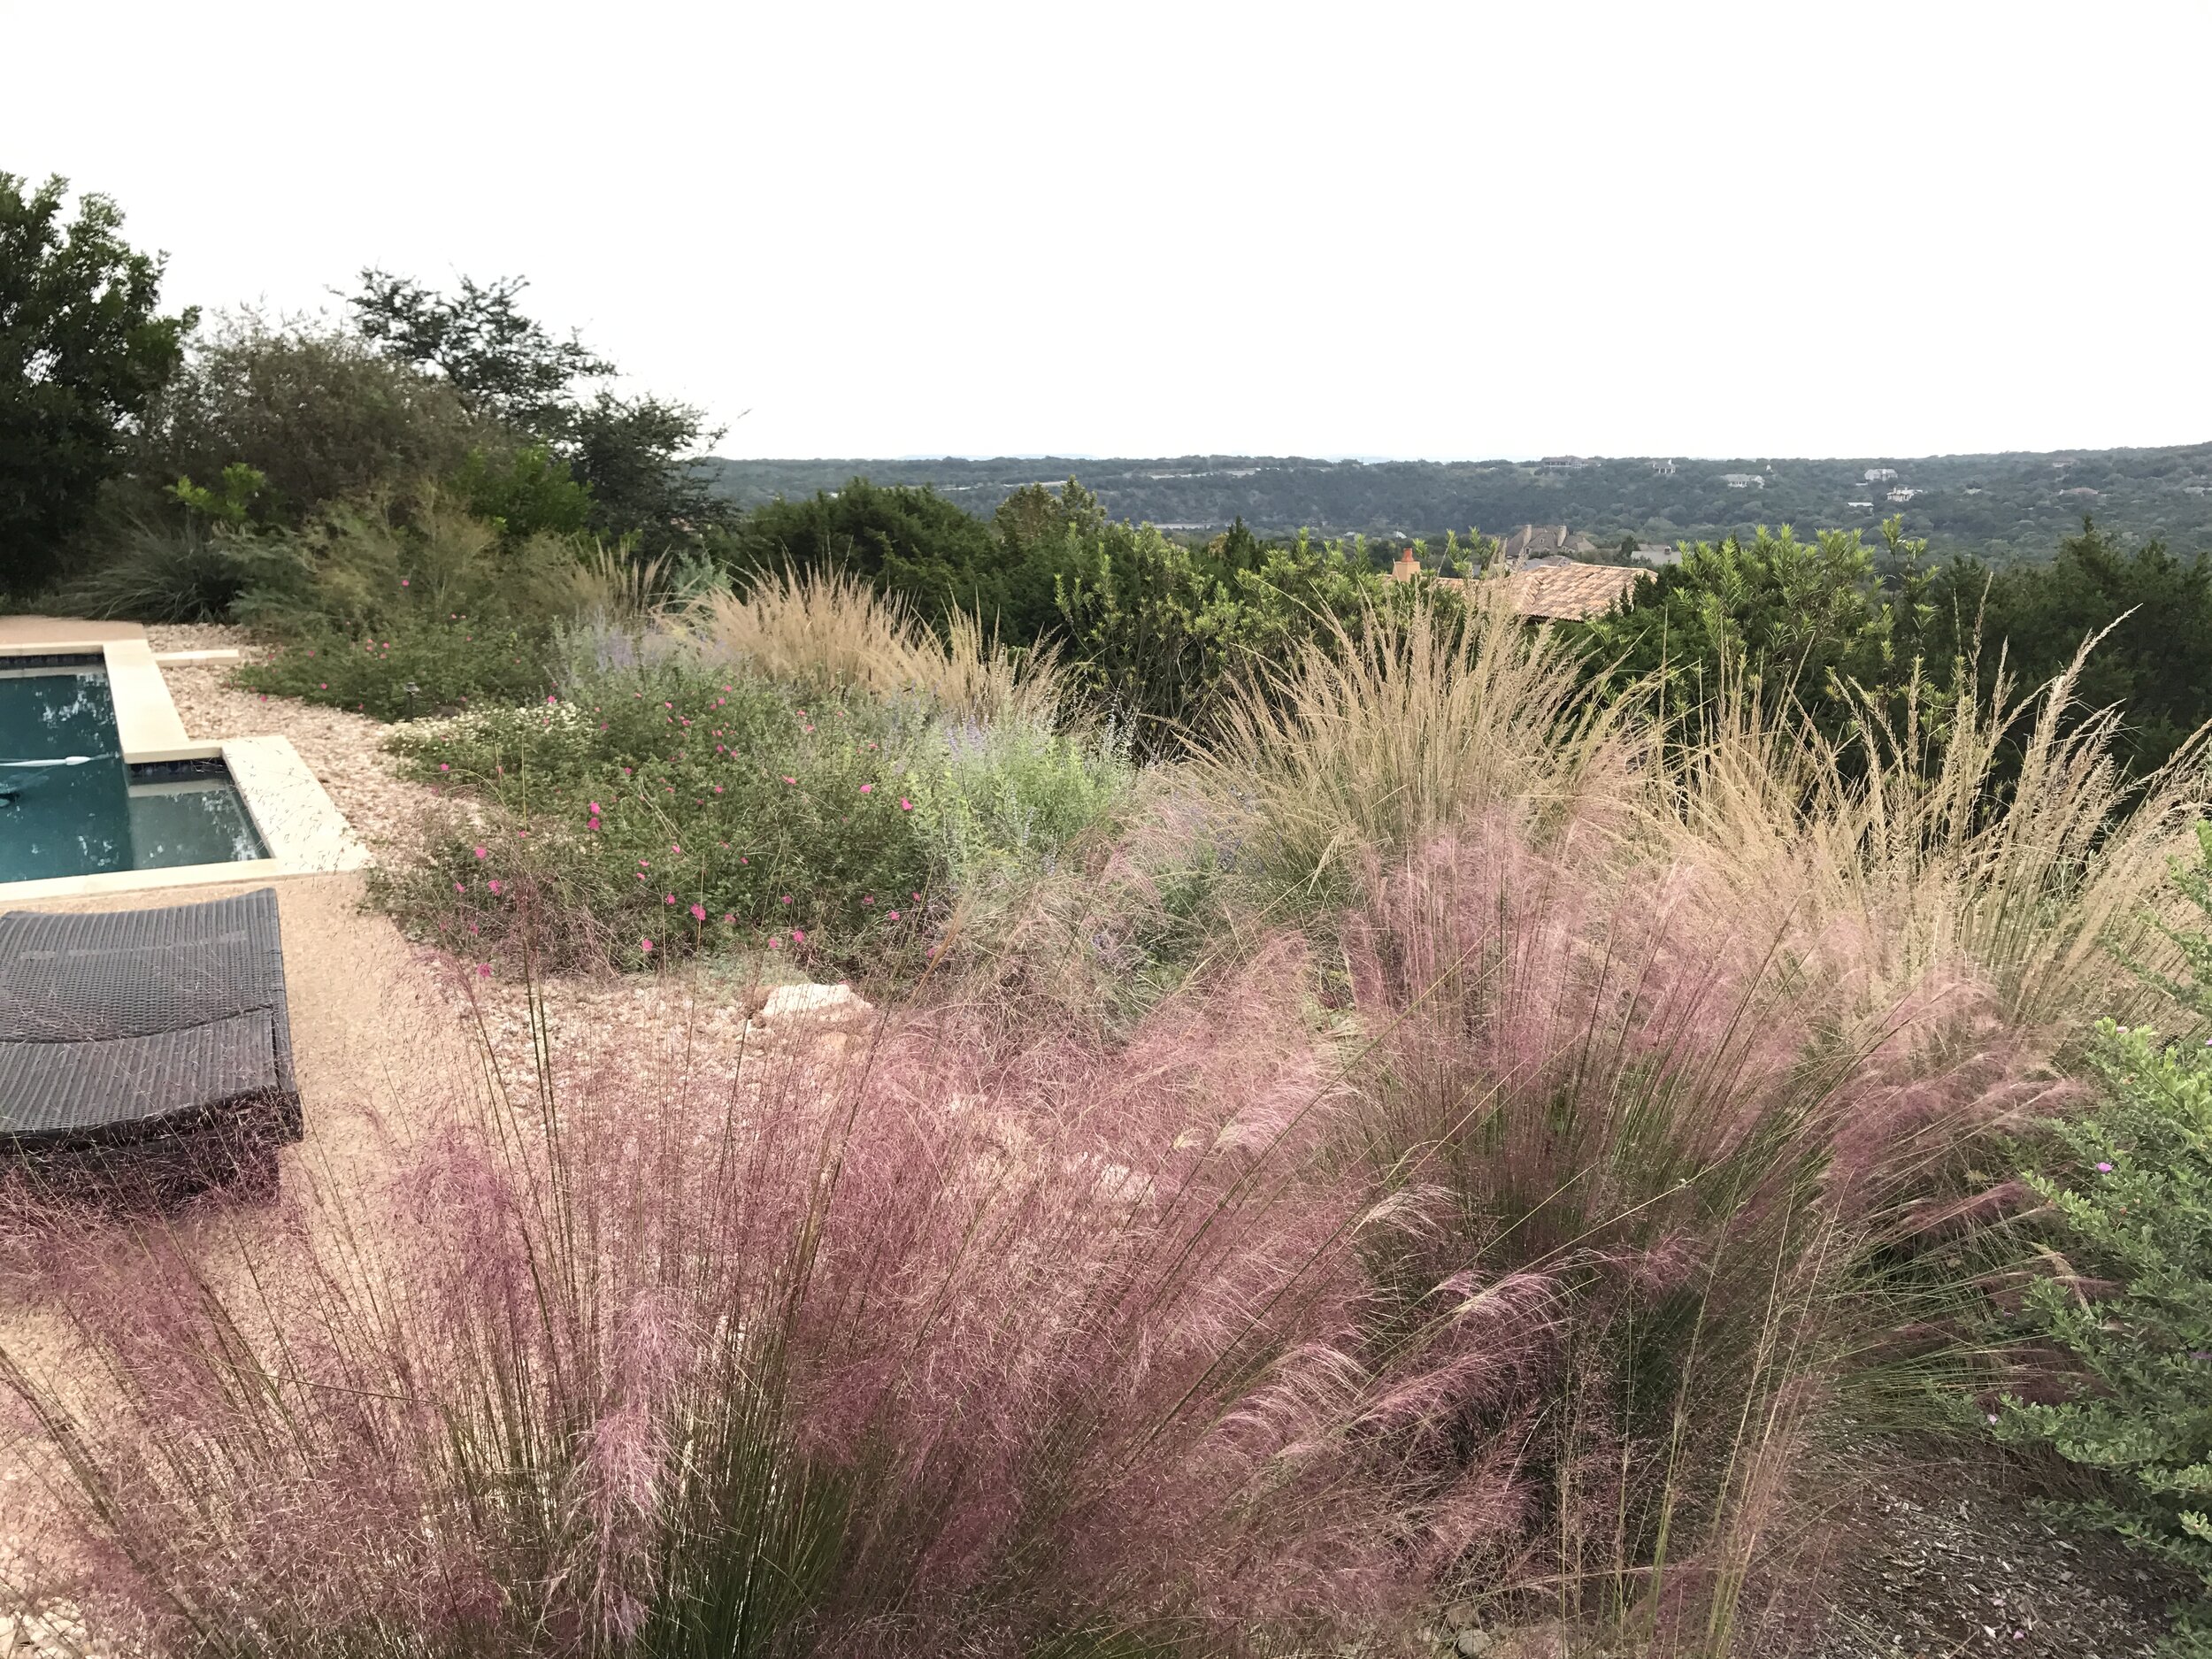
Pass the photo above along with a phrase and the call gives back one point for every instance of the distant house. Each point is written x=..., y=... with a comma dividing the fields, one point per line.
x=1860, y=506
x=1569, y=463
x=1743, y=480
x=2078, y=489
x=1903, y=493
x=1535, y=542
x=1666, y=469
x=1881, y=474
x=1657, y=553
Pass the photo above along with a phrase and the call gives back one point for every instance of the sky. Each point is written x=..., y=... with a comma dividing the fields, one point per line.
x=1449, y=231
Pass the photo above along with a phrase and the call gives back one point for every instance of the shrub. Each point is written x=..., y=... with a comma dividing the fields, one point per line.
x=192, y=572
x=416, y=667
x=314, y=410
x=1158, y=630
x=2128, y=1196
x=668, y=811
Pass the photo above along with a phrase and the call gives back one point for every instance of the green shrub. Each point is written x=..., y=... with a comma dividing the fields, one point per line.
x=667, y=803
x=419, y=666
x=1010, y=797
x=727, y=814
x=149, y=572
x=2128, y=1192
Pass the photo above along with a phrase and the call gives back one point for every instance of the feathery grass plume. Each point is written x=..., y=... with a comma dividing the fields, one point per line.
x=1378, y=739
x=919, y=1343
x=1644, y=1151
x=614, y=590
x=816, y=626
x=1911, y=836
x=831, y=626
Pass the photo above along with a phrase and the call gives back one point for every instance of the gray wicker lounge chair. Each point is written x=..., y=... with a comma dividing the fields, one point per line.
x=135, y=1038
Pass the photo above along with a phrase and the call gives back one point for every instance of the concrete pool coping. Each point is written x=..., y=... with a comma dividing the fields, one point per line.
x=304, y=831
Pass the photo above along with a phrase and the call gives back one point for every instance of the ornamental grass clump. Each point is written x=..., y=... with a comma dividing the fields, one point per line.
x=920, y=1343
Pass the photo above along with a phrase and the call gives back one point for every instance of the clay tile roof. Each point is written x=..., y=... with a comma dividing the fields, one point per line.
x=1564, y=593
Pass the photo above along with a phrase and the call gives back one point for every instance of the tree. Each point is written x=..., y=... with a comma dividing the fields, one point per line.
x=316, y=411
x=1800, y=622
x=635, y=455
x=82, y=354
x=499, y=362
x=2156, y=659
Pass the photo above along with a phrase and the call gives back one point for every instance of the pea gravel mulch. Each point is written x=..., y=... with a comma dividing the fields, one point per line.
x=342, y=749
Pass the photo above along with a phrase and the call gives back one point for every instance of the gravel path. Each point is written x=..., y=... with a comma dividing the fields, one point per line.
x=342, y=749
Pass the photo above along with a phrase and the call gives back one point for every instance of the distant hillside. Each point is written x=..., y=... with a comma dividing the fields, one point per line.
x=2002, y=507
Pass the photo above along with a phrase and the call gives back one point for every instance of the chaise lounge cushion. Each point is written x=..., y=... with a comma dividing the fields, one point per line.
x=127, y=1025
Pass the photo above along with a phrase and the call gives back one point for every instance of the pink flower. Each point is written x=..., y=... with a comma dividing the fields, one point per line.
x=645, y=945
x=595, y=809
x=791, y=780
x=905, y=805
x=482, y=853
x=483, y=970
x=322, y=685
x=457, y=887
x=402, y=581
x=698, y=912
x=494, y=884
x=717, y=789
x=668, y=898
x=867, y=788
x=675, y=846
x=775, y=943
x=552, y=699
x=895, y=916
x=728, y=917
x=2104, y=1169
x=593, y=825
x=445, y=765
x=787, y=899
x=798, y=935
x=869, y=899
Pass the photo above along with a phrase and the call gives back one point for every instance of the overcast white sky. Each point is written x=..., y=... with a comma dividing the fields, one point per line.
x=1137, y=228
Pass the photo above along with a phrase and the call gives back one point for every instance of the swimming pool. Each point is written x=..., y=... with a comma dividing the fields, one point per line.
x=69, y=805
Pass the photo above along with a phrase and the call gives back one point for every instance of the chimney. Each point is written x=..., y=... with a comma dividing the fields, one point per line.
x=1407, y=567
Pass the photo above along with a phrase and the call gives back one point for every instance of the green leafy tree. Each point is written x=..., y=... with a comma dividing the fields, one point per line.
x=316, y=412
x=635, y=456
x=1801, y=622
x=83, y=352
x=915, y=543
x=2154, y=607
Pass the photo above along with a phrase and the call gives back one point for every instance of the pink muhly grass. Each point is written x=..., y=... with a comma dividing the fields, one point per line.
x=983, y=1287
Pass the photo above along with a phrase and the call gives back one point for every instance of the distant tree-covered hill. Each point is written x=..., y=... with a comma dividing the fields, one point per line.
x=2003, y=508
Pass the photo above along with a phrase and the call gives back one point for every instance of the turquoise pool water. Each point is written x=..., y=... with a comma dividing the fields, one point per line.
x=62, y=819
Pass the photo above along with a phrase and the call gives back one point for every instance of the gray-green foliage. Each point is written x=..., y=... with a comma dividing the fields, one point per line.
x=2129, y=1192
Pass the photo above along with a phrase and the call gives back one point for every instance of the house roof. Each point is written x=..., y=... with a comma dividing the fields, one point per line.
x=1566, y=593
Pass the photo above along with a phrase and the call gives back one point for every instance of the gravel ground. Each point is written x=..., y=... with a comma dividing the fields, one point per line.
x=1943, y=1558
x=342, y=749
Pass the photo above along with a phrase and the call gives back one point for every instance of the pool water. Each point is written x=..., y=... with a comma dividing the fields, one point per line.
x=74, y=820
